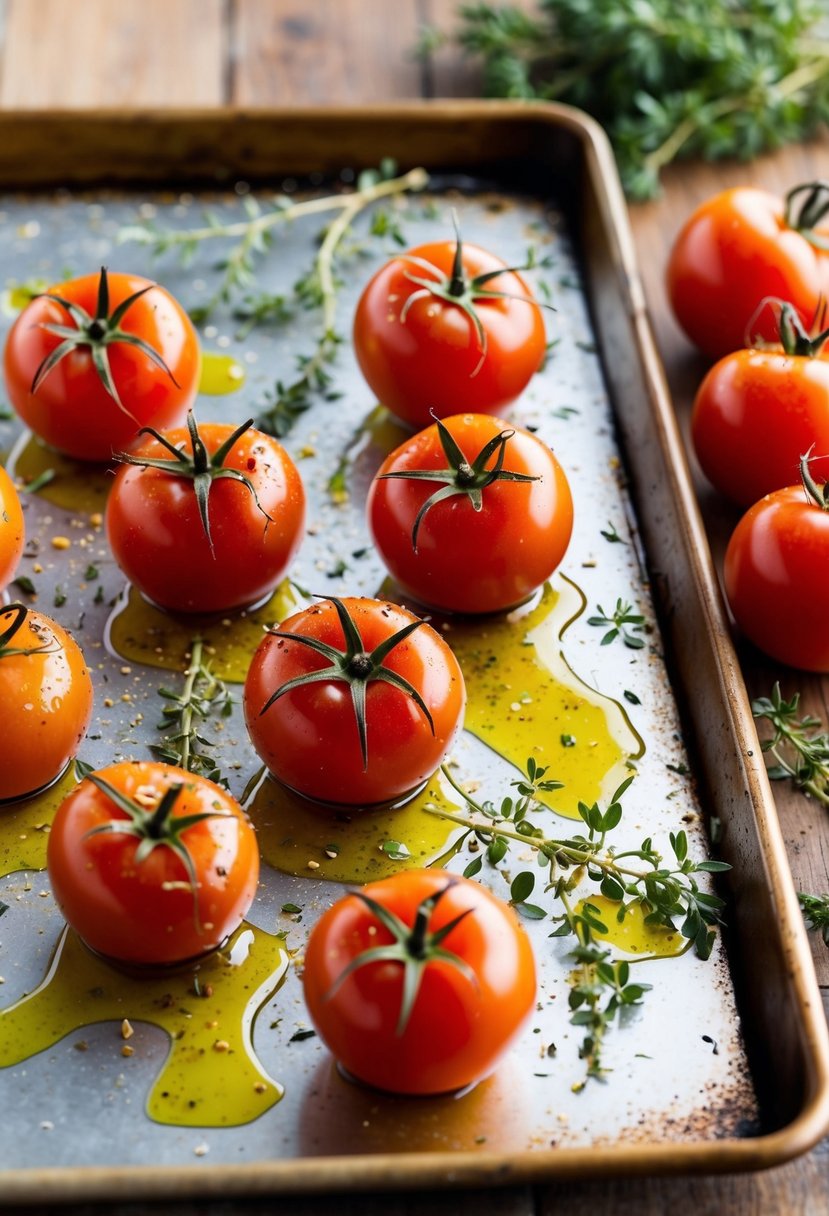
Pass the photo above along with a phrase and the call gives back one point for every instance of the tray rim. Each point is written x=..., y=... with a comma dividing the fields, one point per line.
x=468, y=1169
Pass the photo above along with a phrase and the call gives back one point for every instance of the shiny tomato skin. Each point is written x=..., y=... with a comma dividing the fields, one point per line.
x=472, y=561
x=145, y=913
x=427, y=360
x=733, y=252
x=755, y=414
x=45, y=704
x=71, y=410
x=308, y=738
x=776, y=575
x=458, y=1029
x=156, y=533
x=12, y=529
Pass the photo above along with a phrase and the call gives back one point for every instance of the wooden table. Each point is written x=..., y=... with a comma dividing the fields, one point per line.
x=96, y=53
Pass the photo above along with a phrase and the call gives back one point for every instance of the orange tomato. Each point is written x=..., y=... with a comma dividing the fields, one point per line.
x=11, y=529
x=45, y=700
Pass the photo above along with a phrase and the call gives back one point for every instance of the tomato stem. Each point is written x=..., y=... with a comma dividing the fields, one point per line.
x=157, y=823
x=97, y=333
x=20, y=611
x=353, y=666
x=157, y=828
x=816, y=493
x=793, y=336
x=414, y=947
x=804, y=216
x=200, y=467
x=461, y=477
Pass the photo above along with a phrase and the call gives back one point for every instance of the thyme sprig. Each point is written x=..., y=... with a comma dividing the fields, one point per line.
x=250, y=239
x=798, y=748
x=666, y=80
x=202, y=697
x=815, y=909
x=668, y=892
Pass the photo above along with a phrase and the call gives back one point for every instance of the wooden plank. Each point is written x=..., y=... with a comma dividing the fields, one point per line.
x=288, y=52
x=805, y=823
x=797, y=1189
x=59, y=53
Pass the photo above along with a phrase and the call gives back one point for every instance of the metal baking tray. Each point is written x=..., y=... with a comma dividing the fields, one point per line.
x=728, y=1067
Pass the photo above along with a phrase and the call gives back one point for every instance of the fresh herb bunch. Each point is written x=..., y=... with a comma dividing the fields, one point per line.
x=799, y=748
x=668, y=892
x=710, y=78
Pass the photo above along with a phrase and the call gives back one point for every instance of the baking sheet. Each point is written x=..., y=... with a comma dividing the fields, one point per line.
x=678, y=1070
x=678, y=1093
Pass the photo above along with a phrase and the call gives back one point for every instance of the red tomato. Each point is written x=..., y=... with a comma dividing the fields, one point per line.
x=45, y=700
x=776, y=575
x=12, y=532
x=420, y=349
x=316, y=739
x=151, y=864
x=467, y=1007
x=255, y=515
x=490, y=538
x=755, y=414
x=73, y=406
x=737, y=249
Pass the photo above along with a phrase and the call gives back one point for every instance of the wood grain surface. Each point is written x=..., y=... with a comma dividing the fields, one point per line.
x=122, y=53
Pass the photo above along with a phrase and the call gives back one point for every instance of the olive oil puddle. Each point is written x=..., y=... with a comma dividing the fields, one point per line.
x=24, y=826
x=524, y=700
x=220, y=374
x=345, y=844
x=211, y=1077
x=74, y=485
x=630, y=934
x=140, y=632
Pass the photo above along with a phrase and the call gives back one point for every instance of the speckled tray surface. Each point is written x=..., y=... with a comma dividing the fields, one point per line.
x=678, y=1070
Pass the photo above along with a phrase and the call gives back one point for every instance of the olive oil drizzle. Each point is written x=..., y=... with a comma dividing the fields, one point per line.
x=220, y=374
x=60, y=480
x=632, y=935
x=211, y=1077
x=139, y=632
x=524, y=700
x=346, y=844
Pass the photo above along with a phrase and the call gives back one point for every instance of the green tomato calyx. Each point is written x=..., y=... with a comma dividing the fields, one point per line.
x=803, y=214
x=153, y=826
x=353, y=666
x=461, y=477
x=18, y=613
x=413, y=946
x=97, y=333
x=793, y=336
x=457, y=288
x=200, y=467
x=817, y=494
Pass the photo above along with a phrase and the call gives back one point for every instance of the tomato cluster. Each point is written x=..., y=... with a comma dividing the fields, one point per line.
x=352, y=700
x=748, y=279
